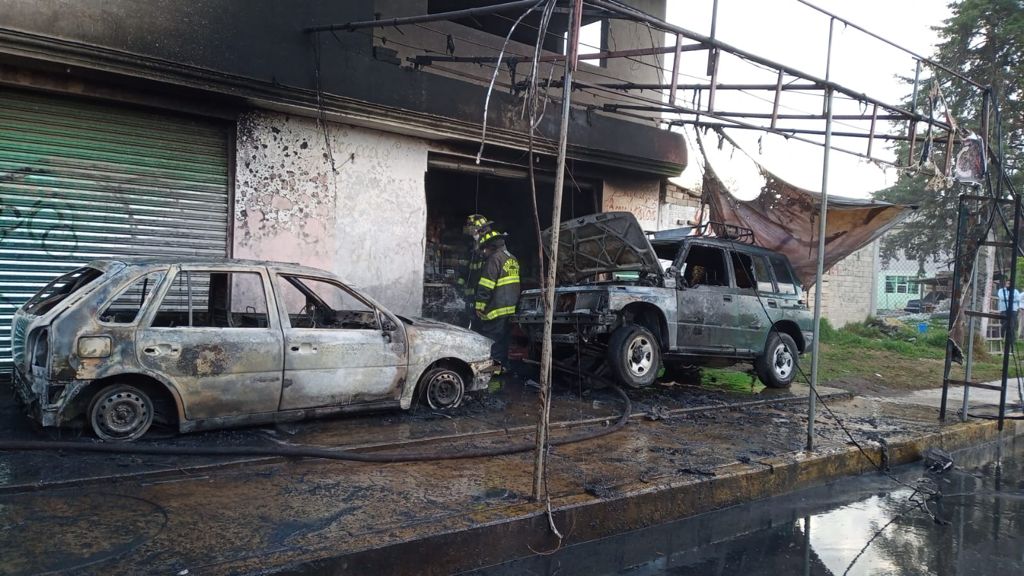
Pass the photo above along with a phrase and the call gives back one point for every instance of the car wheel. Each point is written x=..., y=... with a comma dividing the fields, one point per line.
x=778, y=365
x=635, y=355
x=120, y=413
x=443, y=388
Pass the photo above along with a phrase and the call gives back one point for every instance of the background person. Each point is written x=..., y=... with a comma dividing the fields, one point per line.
x=1008, y=297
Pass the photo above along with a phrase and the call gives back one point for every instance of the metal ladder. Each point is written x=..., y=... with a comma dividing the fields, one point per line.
x=973, y=240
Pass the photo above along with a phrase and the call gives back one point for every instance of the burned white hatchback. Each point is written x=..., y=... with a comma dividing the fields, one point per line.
x=215, y=343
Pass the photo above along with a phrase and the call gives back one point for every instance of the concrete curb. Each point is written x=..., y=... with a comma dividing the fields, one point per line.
x=498, y=535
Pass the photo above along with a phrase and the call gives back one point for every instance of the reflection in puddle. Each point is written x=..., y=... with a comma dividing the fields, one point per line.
x=857, y=526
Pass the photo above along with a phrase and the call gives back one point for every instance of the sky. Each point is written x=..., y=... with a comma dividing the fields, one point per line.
x=796, y=35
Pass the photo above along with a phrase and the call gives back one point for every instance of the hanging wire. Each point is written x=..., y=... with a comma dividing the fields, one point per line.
x=494, y=77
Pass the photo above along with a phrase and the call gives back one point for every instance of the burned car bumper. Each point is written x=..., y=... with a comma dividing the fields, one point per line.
x=568, y=328
x=483, y=371
x=33, y=391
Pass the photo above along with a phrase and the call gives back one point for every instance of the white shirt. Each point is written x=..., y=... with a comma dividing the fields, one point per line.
x=1003, y=295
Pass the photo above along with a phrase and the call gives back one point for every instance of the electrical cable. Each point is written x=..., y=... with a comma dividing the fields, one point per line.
x=317, y=452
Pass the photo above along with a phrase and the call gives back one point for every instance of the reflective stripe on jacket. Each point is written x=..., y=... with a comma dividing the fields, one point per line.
x=470, y=276
x=497, y=291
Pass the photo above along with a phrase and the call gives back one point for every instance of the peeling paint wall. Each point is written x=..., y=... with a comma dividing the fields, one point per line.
x=365, y=223
x=640, y=196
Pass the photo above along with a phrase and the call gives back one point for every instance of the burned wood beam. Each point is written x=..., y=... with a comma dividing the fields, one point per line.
x=453, y=15
x=426, y=60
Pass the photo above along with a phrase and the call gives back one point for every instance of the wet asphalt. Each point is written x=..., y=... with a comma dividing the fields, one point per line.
x=865, y=525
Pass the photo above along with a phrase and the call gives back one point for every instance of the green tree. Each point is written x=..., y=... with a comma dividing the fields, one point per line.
x=982, y=40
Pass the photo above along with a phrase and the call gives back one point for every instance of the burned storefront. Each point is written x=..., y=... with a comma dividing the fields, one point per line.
x=344, y=151
x=501, y=191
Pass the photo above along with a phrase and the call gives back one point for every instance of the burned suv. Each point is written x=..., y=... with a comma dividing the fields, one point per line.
x=203, y=344
x=633, y=303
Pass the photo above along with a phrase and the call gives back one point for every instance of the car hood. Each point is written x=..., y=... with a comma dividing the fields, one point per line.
x=430, y=337
x=606, y=242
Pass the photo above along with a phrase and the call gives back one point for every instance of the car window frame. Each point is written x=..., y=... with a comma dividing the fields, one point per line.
x=155, y=293
x=286, y=320
x=172, y=273
x=792, y=274
x=684, y=251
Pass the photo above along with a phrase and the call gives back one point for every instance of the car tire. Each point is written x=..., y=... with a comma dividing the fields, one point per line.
x=442, y=388
x=634, y=355
x=777, y=367
x=120, y=413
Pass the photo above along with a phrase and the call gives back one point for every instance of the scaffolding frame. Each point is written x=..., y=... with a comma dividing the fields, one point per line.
x=705, y=113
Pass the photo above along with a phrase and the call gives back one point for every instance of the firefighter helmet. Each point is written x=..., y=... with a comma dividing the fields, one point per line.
x=473, y=224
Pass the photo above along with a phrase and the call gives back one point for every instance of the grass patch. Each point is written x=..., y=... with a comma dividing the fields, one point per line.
x=730, y=380
x=878, y=356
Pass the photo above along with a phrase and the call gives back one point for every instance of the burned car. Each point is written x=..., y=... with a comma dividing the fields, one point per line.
x=215, y=343
x=631, y=303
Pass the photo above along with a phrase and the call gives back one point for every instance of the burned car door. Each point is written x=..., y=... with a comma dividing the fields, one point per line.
x=704, y=299
x=339, y=349
x=756, y=307
x=213, y=337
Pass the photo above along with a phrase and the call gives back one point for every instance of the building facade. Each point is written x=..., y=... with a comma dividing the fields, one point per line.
x=848, y=288
x=180, y=128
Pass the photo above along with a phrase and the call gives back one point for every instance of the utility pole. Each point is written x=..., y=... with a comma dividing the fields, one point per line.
x=539, y=491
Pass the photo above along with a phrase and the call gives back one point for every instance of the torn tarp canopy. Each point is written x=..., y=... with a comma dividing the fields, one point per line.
x=784, y=218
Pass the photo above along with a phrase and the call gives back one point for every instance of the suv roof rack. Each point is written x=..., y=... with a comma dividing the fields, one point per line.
x=726, y=232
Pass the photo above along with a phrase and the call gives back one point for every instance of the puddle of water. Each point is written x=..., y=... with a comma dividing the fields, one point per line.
x=867, y=525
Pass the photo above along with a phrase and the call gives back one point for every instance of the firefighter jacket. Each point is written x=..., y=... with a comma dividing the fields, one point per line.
x=497, y=291
x=469, y=276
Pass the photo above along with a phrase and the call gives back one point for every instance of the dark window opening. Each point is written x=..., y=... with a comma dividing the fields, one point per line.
x=55, y=292
x=323, y=305
x=453, y=195
x=125, y=308
x=214, y=300
x=751, y=271
x=705, y=266
x=784, y=275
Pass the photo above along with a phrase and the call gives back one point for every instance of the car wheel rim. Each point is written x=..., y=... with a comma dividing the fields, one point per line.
x=444, y=390
x=122, y=415
x=783, y=364
x=640, y=356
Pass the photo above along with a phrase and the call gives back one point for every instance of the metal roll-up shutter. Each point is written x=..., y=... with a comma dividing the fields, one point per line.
x=81, y=180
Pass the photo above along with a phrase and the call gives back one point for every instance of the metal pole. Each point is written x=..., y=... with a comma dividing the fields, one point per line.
x=968, y=369
x=815, y=346
x=549, y=284
x=640, y=16
x=1011, y=314
x=820, y=271
x=917, y=56
x=954, y=301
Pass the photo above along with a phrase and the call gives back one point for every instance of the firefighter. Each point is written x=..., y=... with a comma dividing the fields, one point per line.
x=469, y=276
x=497, y=292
